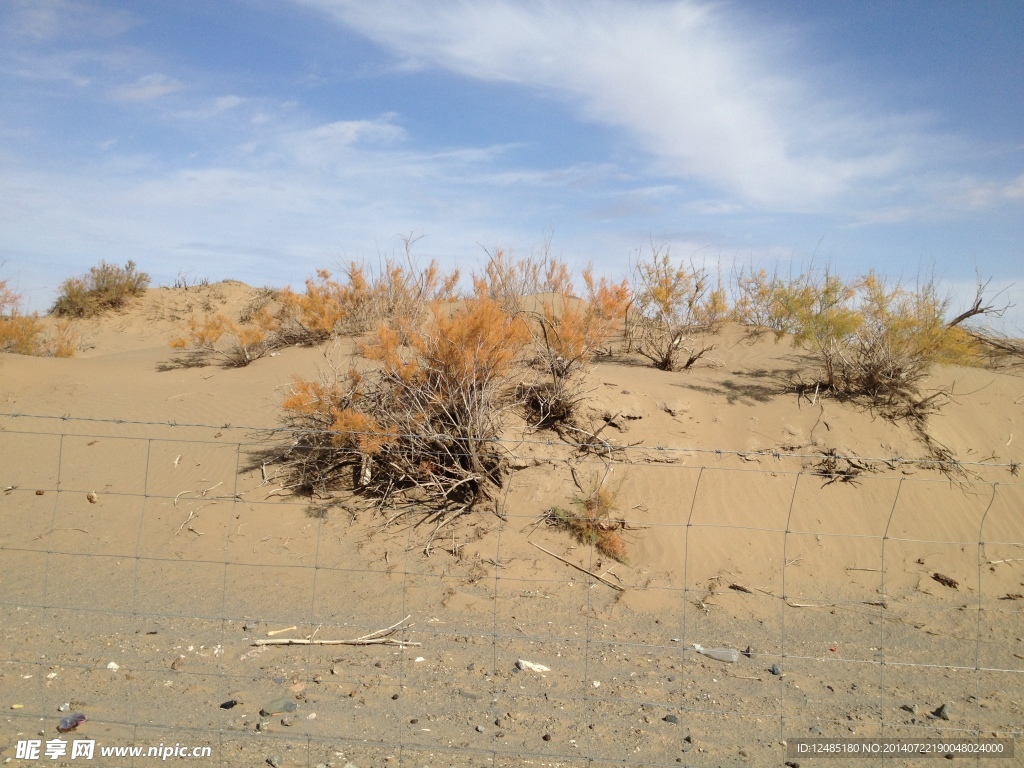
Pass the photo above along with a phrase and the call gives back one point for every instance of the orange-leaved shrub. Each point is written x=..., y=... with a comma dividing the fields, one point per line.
x=218, y=337
x=425, y=422
x=570, y=333
x=396, y=294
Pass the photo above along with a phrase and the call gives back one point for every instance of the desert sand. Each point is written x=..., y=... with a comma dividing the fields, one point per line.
x=145, y=524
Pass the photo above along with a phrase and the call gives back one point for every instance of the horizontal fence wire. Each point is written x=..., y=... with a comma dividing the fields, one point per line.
x=265, y=432
x=138, y=582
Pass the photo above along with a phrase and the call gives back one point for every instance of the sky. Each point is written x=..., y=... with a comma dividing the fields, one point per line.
x=258, y=140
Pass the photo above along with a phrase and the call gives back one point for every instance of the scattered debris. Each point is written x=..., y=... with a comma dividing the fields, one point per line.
x=946, y=581
x=380, y=637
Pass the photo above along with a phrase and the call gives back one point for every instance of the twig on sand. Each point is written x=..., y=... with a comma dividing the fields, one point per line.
x=380, y=637
x=279, y=631
x=580, y=568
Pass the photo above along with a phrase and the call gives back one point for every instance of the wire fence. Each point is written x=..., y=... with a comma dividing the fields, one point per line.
x=145, y=566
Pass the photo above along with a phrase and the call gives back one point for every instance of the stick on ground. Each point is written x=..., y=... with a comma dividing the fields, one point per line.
x=380, y=637
x=579, y=568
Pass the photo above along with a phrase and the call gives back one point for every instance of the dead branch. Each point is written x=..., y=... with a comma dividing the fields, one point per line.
x=579, y=568
x=380, y=637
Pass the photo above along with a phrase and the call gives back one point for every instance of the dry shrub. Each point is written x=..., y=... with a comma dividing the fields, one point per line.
x=592, y=520
x=757, y=301
x=508, y=281
x=874, y=339
x=424, y=424
x=104, y=287
x=396, y=294
x=217, y=337
x=23, y=334
x=676, y=307
x=570, y=333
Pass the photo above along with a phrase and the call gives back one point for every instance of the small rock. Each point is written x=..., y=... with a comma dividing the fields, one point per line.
x=274, y=761
x=911, y=708
x=546, y=737
x=532, y=667
x=64, y=707
x=263, y=725
x=230, y=704
x=671, y=719
x=749, y=653
x=92, y=497
x=470, y=667
x=942, y=712
x=277, y=707
x=414, y=721
x=287, y=722
x=775, y=669
x=394, y=696
x=479, y=729
x=113, y=666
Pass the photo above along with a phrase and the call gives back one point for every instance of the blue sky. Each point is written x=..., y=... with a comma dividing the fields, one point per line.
x=260, y=139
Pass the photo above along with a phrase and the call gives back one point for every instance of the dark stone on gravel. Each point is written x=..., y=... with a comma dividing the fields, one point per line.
x=274, y=761
x=942, y=712
x=775, y=669
x=671, y=719
x=546, y=737
x=230, y=704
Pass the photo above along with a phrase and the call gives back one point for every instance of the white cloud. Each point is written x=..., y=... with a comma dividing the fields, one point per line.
x=712, y=101
x=148, y=88
x=48, y=19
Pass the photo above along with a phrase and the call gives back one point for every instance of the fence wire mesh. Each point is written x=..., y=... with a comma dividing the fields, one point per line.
x=144, y=564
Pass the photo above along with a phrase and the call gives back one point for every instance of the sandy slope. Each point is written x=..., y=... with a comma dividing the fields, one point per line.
x=732, y=541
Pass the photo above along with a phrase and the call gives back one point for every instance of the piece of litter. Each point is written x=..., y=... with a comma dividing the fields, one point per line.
x=420, y=658
x=727, y=655
x=51, y=676
x=597, y=683
x=529, y=665
x=311, y=716
x=71, y=722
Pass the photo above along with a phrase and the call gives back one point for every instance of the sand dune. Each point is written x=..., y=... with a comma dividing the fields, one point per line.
x=191, y=549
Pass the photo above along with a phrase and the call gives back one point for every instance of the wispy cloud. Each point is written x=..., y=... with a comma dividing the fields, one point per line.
x=710, y=98
x=49, y=19
x=148, y=88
